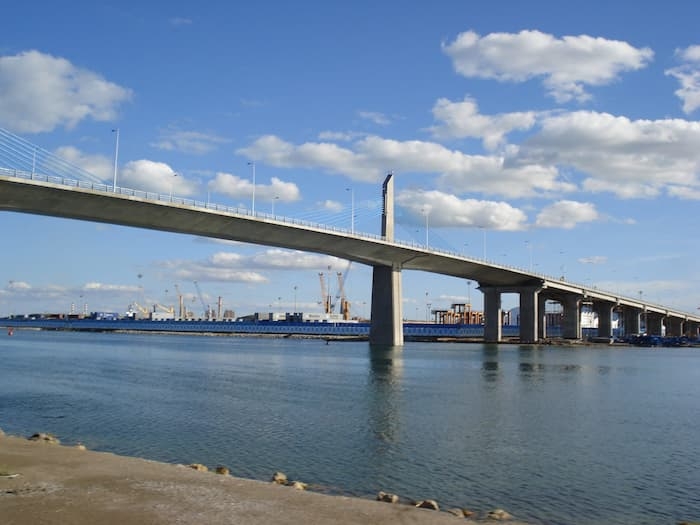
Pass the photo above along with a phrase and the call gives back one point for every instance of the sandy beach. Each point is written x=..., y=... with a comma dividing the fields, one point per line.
x=44, y=483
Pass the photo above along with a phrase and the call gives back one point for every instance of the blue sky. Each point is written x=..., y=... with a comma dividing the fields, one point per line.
x=558, y=136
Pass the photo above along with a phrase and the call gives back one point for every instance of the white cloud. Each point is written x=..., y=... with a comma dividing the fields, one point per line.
x=688, y=75
x=324, y=155
x=98, y=165
x=237, y=187
x=566, y=214
x=369, y=158
x=344, y=136
x=445, y=210
x=103, y=287
x=179, y=21
x=234, y=267
x=331, y=205
x=374, y=116
x=462, y=119
x=41, y=92
x=158, y=177
x=593, y=259
x=630, y=158
x=193, y=142
x=566, y=64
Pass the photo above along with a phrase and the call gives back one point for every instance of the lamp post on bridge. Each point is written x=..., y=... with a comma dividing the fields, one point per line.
x=252, y=163
x=116, y=156
x=352, y=209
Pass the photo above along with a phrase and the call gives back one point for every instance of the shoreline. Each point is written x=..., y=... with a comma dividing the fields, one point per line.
x=51, y=483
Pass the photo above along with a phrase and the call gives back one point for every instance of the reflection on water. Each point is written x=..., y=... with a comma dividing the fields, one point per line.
x=384, y=384
x=554, y=435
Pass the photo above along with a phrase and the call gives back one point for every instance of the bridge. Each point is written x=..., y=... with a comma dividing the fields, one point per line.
x=38, y=184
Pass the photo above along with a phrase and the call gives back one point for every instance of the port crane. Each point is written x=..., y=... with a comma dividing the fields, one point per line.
x=207, y=310
x=326, y=301
x=344, y=303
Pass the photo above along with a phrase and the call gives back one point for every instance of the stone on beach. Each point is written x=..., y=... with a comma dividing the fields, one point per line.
x=387, y=498
x=280, y=478
x=428, y=504
x=461, y=513
x=299, y=485
x=499, y=515
x=224, y=471
x=44, y=437
x=199, y=467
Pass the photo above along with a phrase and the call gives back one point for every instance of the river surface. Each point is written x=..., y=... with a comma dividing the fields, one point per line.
x=554, y=435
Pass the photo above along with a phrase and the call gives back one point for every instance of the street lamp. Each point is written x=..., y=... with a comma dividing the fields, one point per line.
x=252, y=163
x=295, y=298
x=116, y=156
x=352, y=209
x=172, y=183
x=529, y=247
x=273, y=204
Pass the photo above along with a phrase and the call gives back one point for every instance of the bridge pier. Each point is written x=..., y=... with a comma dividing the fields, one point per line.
x=654, y=322
x=604, y=309
x=386, y=326
x=631, y=320
x=571, y=321
x=529, y=302
x=674, y=326
x=493, y=314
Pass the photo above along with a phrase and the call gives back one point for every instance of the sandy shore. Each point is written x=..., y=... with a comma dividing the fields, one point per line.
x=42, y=483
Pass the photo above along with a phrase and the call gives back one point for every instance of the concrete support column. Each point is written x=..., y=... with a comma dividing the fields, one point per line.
x=571, y=323
x=604, y=311
x=528, y=314
x=386, y=327
x=542, y=315
x=690, y=329
x=493, y=330
x=674, y=326
x=653, y=323
x=631, y=318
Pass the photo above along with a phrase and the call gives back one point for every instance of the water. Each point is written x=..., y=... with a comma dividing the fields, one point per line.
x=553, y=435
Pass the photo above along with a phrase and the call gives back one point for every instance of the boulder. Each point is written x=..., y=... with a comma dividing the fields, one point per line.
x=461, y=513
x=387, y=498
x=499, y=515
x=199, y=467
x=428, y=504
x=299, y=485
x=44, y=438
x=280, y=478
x=80, y=446
x=224, y=471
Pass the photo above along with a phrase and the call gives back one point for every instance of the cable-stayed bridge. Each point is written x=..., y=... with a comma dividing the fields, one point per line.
x=33, y=180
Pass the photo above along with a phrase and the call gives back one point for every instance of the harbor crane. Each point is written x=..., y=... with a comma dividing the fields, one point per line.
x=207, y=310
x=344, y=303
x=326, y=301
